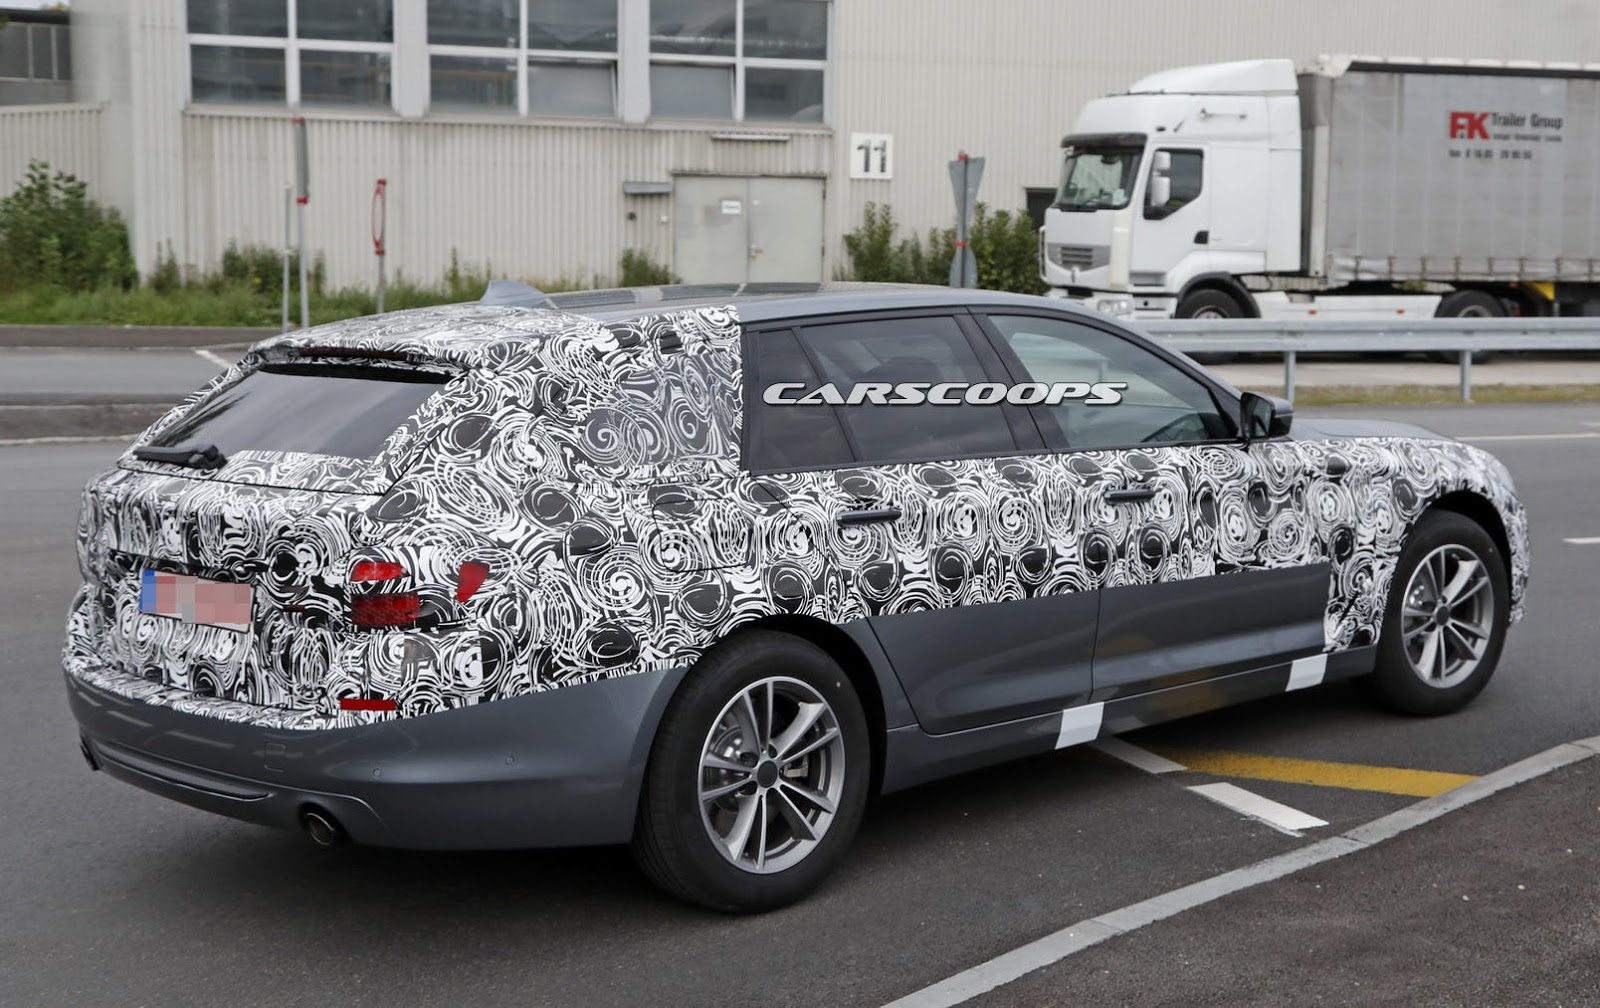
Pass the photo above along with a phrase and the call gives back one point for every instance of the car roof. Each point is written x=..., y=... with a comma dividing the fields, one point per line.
x=512, y=317
x=763, y=302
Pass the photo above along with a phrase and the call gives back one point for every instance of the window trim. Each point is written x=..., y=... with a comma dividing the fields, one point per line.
x=1162, y=213
x=1224, y=399
x=521, y=54
x=740, y=63
x=291, y=45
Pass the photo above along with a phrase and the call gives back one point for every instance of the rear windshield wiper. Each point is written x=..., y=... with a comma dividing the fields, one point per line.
x=194, y=457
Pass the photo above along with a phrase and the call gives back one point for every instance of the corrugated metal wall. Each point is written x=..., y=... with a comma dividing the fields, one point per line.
x=66, y=137
x=535, y=202
x=1002, y=79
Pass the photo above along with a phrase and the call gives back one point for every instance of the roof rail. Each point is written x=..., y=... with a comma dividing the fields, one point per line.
x=516, y=294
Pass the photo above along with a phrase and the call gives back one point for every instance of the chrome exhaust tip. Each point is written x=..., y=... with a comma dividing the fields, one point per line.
x=322, y=828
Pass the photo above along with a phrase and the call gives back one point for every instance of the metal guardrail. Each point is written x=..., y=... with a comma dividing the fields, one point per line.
x=1290, y=337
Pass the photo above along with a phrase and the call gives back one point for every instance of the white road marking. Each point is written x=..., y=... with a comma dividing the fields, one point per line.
x=1583, y=540
x=1532, y=437
x=1080, y=724
x=219, y=361
x=1073, y=938
x=67, y=439
x=1307, y=672
x=1280, y=817
x=1131, y=754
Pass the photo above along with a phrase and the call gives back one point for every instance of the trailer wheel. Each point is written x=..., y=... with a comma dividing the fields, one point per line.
x=1208, y=303
x=1468, y=304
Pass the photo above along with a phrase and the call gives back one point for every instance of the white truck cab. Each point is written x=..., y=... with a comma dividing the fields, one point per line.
x=1136, y=219
x=1347, y=186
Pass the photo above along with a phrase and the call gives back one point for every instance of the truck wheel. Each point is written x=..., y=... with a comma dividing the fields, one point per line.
x=1445, y=622
x=758, y=776
x=1209, y=304
x=1468, y=304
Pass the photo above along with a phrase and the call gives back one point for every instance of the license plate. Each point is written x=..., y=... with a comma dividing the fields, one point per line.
x=195, y=600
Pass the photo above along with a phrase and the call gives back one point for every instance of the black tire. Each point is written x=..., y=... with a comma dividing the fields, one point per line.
x=1468, y=304
x=1396, y=683
x=672, y=840
x=1209, y=303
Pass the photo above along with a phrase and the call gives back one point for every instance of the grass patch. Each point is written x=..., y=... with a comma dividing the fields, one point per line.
x=1422, y=395
x=215, y=303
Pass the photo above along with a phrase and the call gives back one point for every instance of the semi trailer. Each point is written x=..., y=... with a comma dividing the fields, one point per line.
x=1350, y=187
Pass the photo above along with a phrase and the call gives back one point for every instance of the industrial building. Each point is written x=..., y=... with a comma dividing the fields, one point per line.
x=728, y=139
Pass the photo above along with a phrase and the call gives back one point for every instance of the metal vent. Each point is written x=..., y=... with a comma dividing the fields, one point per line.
x=1072, y=256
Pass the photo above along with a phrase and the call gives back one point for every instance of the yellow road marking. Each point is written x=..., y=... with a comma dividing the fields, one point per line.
x=1355, y=776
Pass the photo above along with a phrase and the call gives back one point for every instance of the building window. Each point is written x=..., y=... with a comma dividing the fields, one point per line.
x=751, y=60
x=524, y=57
x=295, y=52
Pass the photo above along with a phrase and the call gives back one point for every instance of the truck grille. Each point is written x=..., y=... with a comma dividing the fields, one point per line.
x=1077, y=256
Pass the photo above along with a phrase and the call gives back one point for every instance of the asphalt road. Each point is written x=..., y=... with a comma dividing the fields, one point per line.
x=110, y=896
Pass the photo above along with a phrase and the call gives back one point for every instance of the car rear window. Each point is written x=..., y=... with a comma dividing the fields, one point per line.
x=340, y=410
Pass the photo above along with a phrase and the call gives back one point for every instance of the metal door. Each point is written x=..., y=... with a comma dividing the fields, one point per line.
x=730, y=230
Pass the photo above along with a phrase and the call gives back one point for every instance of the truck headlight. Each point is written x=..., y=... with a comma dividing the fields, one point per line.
x=1116, y=306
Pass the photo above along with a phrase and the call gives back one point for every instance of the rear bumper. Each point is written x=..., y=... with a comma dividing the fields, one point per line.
x=552, y=769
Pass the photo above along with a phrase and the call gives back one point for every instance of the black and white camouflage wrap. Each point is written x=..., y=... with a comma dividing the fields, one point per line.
x=596, y=471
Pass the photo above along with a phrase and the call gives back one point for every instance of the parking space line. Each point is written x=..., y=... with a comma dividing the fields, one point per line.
x=1583, y=540
x=1131, y=754
x=216, y=359
x=1351, y=776
x=1058, y=945
x=1275, y=814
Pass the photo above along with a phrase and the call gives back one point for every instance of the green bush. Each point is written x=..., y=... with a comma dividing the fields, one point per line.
x=52, y=234
x=637, y=269
x=1004, y=243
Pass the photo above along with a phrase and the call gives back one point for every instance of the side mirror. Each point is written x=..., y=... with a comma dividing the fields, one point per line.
x=1160, y=191
x=1264, y=416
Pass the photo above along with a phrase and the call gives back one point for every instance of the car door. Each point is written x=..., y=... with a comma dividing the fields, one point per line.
x=933, y=516
x=1211, y=566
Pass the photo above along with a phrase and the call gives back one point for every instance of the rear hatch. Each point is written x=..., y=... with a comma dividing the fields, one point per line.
x=215, y=555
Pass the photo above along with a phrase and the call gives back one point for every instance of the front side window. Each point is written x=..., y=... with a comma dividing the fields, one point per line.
x=1097, y=178
x=559, y=60
x=1157, y=402
x=295, y=52
x=751, y=60
x=921, y=352
x=1183, y=170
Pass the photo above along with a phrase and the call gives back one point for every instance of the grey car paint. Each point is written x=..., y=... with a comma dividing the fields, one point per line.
x=553, y=769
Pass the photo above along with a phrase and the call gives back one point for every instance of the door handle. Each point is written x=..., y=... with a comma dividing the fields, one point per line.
x=864, y=516
x=1130, y=495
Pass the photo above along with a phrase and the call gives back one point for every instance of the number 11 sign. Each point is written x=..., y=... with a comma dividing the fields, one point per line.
x=870, y=156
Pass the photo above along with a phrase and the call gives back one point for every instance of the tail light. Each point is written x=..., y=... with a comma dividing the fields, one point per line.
x=381, y=608
x=386, y=609
x=372, y=609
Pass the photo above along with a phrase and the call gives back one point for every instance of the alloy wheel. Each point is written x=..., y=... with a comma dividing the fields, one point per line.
x=771, y=774
x=1447, y=615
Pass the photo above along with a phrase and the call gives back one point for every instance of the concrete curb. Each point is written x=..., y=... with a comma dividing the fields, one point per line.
x=1053, y=948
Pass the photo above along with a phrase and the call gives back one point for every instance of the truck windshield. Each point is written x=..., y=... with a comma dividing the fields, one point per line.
x=1097, y=178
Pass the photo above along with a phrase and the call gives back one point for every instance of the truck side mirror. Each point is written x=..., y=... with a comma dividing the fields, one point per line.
x=1160, y=192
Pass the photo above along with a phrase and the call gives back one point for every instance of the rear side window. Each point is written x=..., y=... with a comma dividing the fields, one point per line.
x=788, y=436
x=923, y=352
x=338, y=410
